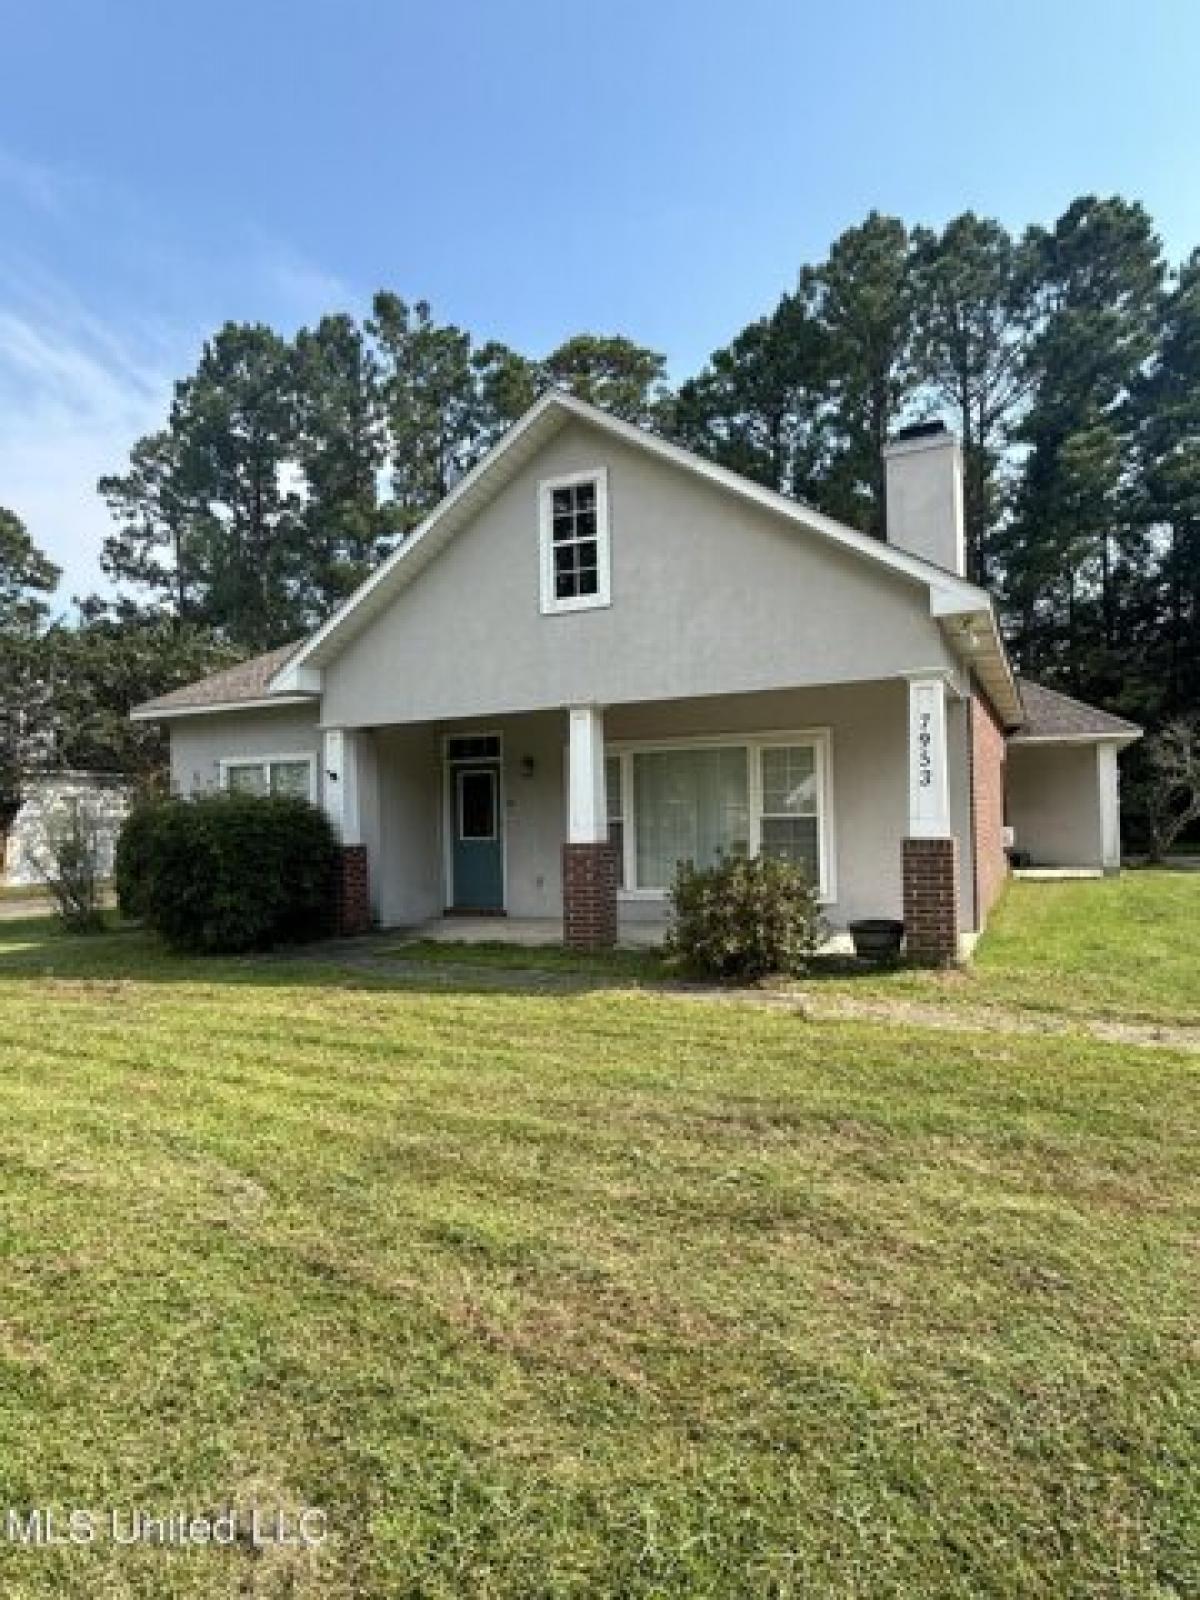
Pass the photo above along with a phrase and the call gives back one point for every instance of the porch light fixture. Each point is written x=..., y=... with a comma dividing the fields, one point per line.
x=528, y=766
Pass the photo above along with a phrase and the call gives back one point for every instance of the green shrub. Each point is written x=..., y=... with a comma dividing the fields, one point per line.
x=230, y=872
x=744, y=918
x=131, y=863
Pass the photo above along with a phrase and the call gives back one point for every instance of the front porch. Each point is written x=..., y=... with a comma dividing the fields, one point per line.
x=552, y=825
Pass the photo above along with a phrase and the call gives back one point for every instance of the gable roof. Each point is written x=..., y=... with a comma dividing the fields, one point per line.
x=1055, y=718
x=951, y=598
x=234, y=688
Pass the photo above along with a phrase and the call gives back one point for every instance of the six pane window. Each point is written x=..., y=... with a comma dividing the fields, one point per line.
x=575, y=541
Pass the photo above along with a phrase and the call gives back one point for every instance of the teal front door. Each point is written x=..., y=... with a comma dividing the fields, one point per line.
x=478, y=847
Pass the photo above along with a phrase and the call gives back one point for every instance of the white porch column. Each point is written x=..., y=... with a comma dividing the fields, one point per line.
x=589, y=861
x=928, y=763
x=1110, y=807
x=587, y=811
x=340, y=782
x=930, y=852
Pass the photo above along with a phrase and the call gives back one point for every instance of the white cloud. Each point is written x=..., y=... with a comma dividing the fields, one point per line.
x=74, y=396
x=78, y=386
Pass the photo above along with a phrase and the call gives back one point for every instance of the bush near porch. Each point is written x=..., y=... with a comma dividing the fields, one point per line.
x=590, y=1294
x=227, y=872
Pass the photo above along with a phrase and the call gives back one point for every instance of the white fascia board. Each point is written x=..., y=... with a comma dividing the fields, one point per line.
x=1120, y=740
x=955, y=594
x=293, y=679
x=168, y=713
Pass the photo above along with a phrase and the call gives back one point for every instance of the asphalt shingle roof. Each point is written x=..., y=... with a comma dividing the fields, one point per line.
x=1051, y=715
x=246, y=681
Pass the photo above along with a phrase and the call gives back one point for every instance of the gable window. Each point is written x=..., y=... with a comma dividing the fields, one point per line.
x=701, y=799
x=287, y=775
x=573, y=518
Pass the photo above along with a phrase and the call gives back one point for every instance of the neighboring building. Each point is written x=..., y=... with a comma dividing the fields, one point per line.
x=601, y=654
x=106, y=797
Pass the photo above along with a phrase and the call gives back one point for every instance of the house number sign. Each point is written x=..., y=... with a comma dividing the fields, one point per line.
x=929, y=796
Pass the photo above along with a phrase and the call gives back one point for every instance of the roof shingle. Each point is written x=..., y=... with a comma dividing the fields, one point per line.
x=247, y=681
x=1051, y=715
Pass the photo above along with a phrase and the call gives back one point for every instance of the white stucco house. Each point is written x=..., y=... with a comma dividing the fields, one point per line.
x=601, y=654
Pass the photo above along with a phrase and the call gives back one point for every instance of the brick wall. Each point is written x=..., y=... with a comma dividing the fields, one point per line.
x=589, y=896
x=931, y=900
x=987, y=807
x=351, y=890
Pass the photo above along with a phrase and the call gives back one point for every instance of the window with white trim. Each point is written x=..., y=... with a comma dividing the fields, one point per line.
x=286, y=775
x=698, y=800
x=573, y=517
x=789, y=816
x=613, y=790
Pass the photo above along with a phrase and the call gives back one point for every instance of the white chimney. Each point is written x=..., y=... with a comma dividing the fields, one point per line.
x=924, y=486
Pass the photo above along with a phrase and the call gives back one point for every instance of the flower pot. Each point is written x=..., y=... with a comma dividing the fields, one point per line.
x=877, y=938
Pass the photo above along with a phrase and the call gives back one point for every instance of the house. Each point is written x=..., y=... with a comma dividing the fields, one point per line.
x=601, y=654
x=46, y=798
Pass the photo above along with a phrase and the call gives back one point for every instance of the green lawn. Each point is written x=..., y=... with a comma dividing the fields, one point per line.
x=1122, y=949
x=596, y=1293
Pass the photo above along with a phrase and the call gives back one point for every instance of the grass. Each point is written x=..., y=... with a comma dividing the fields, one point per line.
x=603, y=1293
x=1122, y=949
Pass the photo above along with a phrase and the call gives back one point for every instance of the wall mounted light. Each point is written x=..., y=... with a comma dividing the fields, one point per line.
x=528, y=766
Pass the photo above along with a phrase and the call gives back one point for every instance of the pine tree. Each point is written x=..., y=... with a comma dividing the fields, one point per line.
x=1071, y=556
x=975, y=315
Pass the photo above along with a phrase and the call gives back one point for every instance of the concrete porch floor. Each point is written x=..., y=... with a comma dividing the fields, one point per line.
x=526, y=931
x=632, y=935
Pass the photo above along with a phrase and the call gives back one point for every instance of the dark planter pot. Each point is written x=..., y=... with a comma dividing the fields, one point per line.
x=877, y=939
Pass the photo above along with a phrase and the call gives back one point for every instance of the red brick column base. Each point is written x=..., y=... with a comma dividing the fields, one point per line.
x=351, y=890
x=931, y=900
x=589, y=896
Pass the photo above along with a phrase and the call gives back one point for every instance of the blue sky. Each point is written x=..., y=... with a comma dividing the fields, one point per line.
x=534, y=169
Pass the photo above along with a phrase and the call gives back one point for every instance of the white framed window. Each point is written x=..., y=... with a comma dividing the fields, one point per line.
x=294, y=775
x=614, y=793
x=574, y=542
x=699, y=799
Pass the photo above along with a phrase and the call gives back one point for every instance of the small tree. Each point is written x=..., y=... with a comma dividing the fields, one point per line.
x=1171, y=788
x=68, y=863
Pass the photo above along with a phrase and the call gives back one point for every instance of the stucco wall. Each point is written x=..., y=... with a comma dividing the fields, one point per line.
x=709, y=596
x=868, y=758
x=199, y=744
x=1054, y=804
x=868, y=725
x=402, y=788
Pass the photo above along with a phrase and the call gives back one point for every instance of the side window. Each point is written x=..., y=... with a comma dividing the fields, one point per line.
x=290, y=775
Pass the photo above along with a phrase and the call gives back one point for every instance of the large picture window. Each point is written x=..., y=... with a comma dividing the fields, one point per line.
x=688, y=805
x=696, y=800
x=574, y=542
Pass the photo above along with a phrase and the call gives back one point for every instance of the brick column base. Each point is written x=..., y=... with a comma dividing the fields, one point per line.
x=351, y=890
x=589, y=896
x=931, y=900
